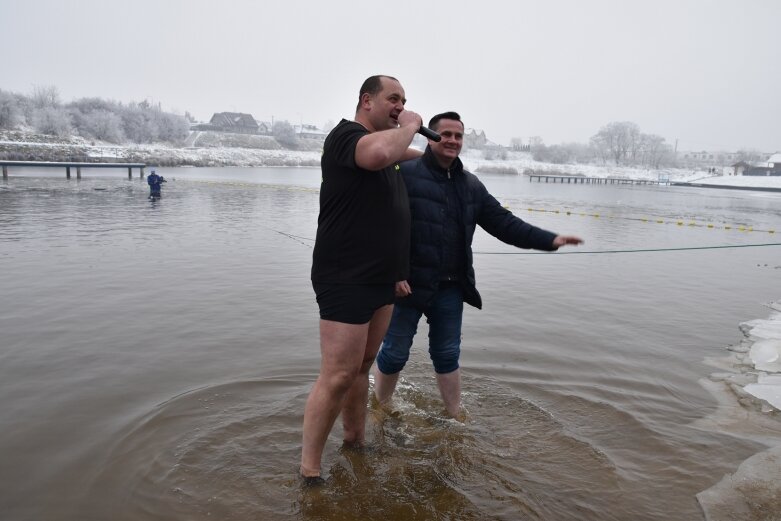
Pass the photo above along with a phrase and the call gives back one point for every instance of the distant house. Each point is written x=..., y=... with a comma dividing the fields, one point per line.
x=474, y=138
x=236, y=122
x=264, y=127
x=707, y=158
x=774, y=161
x=773, y=167
x=310, y=132
x=740, y=167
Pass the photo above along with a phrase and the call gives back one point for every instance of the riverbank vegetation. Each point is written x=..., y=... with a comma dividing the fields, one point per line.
x=41, y=127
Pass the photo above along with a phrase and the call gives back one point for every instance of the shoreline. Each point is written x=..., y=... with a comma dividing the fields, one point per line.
x=26, y=146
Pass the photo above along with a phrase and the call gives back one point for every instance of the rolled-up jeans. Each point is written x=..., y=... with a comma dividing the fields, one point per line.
x=444, y=317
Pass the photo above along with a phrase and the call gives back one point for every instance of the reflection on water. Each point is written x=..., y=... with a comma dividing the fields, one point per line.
x=156, y=356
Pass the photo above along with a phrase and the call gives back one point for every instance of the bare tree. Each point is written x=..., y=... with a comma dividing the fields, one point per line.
x=285, y=134
x=654, y=150
x=749, y=155
x=516, y=143
x=619, y=141
x=45, y=96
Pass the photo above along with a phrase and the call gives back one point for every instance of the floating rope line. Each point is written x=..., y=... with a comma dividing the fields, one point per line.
x=297, y=238
x=658, y=220
x=628, y=251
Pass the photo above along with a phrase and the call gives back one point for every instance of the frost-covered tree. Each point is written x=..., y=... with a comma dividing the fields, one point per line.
x=10, y=112
x=654, y=150
x=285, y=134
x=55, y=121
x=136, y=126
x=103, y=125
x=618, y=141
x=172, y=127
x=557, y=154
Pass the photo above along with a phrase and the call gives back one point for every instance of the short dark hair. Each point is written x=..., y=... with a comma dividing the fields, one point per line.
x=372, y=86
x=433, y=123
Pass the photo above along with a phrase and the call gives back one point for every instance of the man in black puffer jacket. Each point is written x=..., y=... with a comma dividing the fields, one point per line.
x=446, y=204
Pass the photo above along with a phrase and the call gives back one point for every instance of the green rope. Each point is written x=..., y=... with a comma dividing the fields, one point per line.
x=627, y=251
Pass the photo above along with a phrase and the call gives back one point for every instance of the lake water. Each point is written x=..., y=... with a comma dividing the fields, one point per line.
x=155, y=356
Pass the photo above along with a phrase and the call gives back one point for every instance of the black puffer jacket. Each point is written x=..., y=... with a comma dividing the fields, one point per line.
x=427, y=196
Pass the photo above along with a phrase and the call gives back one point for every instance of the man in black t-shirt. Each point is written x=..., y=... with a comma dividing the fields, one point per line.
x=360, y=260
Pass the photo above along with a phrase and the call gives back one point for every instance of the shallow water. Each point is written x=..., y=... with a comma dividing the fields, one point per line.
x=155, y=356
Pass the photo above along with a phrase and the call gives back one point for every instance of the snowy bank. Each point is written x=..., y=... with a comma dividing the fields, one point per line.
x=737, y=181
x=22, y=145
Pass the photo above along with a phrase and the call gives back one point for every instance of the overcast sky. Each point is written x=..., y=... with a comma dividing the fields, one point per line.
x=707, y=73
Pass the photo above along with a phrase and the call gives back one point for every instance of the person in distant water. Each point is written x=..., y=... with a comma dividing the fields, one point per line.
x=155, y=184
x=447, y=203
x=360, y=259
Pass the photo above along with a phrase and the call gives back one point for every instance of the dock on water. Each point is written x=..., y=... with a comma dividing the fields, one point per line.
x=67, y=165
x=596, y=180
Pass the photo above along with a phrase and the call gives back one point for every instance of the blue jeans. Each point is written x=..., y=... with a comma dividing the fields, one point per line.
x=444, y=317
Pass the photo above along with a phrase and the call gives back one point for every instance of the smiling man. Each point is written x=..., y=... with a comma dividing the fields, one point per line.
x=446, y=203
x=360, y=260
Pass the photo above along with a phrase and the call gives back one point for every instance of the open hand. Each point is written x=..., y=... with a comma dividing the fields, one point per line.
x=563, y=240
x=402, y=288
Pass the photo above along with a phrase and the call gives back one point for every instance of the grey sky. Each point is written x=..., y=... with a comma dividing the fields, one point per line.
x=705, y=72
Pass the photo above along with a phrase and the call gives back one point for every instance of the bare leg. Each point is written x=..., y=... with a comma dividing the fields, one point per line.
x=342, y=348
x=354, y=410
x=450, y=389
x=384, y=385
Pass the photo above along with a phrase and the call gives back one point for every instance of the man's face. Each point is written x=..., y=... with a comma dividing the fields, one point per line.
x=447, y=150
x=387, y=104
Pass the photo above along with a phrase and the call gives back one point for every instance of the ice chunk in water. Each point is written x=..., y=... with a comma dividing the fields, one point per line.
x=765, y=352
x=768, y=388
x=750, y=493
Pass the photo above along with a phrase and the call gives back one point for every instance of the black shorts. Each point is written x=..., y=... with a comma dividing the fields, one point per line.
x=352, y=303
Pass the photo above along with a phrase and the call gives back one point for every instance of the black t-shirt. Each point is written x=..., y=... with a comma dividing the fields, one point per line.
x=363, y=229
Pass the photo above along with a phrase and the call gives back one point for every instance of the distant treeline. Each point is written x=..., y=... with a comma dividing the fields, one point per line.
x=622, y=143
x=619, y=143
x=90, y=118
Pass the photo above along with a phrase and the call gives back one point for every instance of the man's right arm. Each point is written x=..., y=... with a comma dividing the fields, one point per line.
x=377, y=150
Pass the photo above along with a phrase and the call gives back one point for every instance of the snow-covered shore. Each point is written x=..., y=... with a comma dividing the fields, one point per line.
x=523, y=162
x=19, y=145
x=741, y=181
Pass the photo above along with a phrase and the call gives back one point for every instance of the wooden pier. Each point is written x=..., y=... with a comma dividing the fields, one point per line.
x=596, y=180
x=67, y=165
